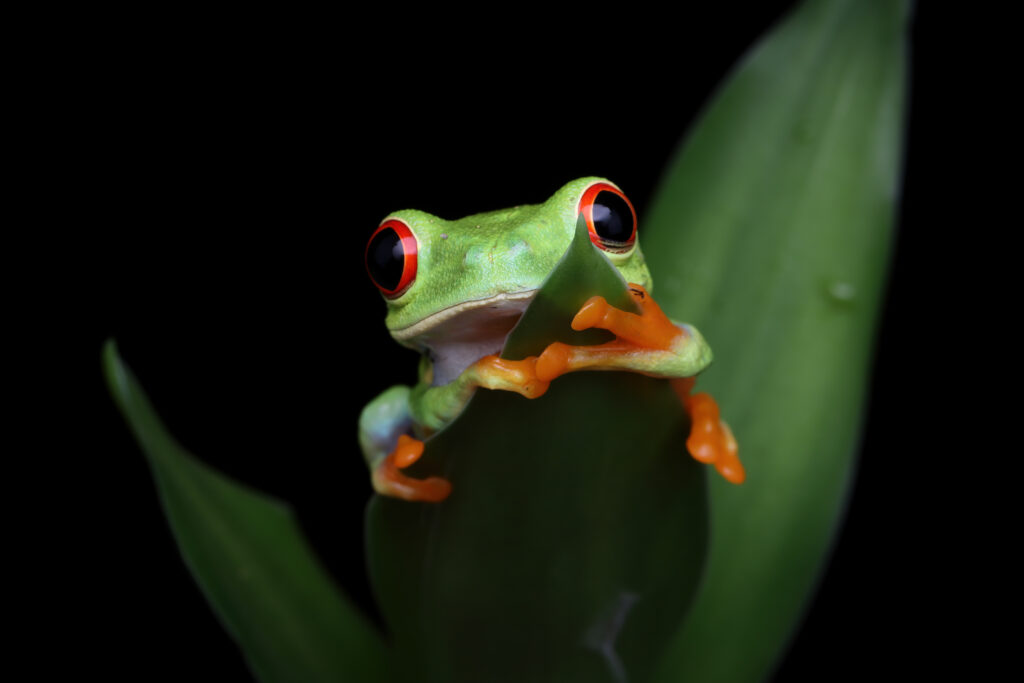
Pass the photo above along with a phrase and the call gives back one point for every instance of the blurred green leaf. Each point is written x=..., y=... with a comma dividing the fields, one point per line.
x=250, y=559
x=574, y=538
x=771, y=232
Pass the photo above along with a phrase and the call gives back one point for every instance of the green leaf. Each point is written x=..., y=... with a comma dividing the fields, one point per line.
x=251, y=561
x=573, y=541
x=582, y=273
x=771, y=232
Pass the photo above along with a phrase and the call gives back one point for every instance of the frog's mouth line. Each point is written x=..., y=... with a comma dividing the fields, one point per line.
x=459, y=335
x=497, y=306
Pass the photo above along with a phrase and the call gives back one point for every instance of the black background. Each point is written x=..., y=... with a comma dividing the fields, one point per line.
x=222, y=180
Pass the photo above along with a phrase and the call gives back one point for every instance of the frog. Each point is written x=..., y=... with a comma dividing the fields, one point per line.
x=455, y=289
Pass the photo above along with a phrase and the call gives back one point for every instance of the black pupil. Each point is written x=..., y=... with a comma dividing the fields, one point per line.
x=613, y=220
x=385, y=258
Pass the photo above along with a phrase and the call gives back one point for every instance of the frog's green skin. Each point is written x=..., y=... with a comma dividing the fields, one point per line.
x=474, y=278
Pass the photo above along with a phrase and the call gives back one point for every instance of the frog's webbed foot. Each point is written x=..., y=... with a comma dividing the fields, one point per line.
x=389, y=481
x=646, y=343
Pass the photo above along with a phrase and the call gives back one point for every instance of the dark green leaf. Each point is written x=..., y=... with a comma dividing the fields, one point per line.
x=573, y=540
x=251, y=561
x=771, y=233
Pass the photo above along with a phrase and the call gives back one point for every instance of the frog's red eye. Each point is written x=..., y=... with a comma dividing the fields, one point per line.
x=610, y=217
x=391, y=257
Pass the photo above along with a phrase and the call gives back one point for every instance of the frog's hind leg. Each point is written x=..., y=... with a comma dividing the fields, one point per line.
x=710, y=441
x=388, y=480
x=385, y=423
x=384, y=427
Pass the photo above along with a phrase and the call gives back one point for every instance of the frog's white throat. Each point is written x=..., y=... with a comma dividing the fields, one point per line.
x=460, y=335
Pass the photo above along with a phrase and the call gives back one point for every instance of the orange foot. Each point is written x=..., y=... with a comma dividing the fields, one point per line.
x=650, y=330
x=711, y=441
x=388, y=481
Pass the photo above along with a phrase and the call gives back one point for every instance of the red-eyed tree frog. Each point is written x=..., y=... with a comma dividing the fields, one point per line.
x=454, y=291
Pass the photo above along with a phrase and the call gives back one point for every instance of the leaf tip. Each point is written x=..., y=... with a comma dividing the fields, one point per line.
x=115, y=371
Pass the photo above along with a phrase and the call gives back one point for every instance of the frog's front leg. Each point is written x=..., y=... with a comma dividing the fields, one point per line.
x=386, y=424
x=650, y=343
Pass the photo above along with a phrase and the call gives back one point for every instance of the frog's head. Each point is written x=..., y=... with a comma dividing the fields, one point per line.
x=455, y=289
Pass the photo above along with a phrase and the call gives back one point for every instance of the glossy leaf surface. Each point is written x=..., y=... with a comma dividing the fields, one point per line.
x=771, y=232
x=574, y=538
x=249, y=557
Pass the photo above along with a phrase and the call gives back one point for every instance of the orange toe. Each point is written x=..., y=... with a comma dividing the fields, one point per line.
x=407, y=451
x=590, y=314
x=732, y=471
